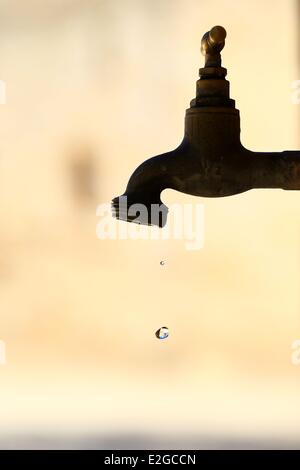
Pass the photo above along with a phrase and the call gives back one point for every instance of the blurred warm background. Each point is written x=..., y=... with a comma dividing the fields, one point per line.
x=93, y=89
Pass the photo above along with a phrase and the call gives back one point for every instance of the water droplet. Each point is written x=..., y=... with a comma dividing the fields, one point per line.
x=162, y=263
x=162, y=333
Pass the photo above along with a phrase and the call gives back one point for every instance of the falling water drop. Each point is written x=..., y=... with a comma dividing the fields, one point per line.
x=162, y=333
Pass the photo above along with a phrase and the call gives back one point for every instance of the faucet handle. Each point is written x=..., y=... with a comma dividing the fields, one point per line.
x=217, y=36
x=211, y=45
x=212, y=88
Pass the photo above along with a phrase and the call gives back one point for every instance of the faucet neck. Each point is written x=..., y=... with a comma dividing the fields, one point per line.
x=212, y=89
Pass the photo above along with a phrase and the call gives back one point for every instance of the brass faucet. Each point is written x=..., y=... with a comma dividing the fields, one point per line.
x=210, y=161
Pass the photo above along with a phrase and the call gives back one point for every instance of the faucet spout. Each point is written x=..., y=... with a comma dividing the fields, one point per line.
x=210, y=161
x=142, y=195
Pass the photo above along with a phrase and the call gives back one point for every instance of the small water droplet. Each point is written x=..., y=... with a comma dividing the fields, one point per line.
x=162, y=333
x=162, y=263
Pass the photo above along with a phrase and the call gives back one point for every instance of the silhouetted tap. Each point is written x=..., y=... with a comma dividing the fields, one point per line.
x=210, y=161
